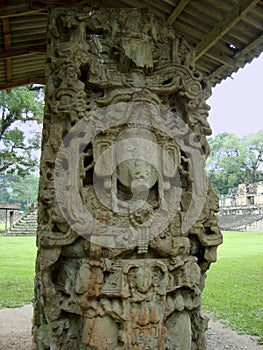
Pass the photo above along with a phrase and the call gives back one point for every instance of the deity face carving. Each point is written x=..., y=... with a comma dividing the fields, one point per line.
x=181, y=246
x=144, y=279
x=135, y=172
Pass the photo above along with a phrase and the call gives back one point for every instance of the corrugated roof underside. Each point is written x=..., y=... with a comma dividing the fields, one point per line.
x=229, y=51
x=26, y=33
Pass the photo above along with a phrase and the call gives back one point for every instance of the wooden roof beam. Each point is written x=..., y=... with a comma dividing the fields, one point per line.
x=258, y=42
x=7, y=48
x=23, y=52
x=240, y=55
x=17, y=10
x=221, y=58
x=17, y=83
x=176, y=12
x=239, y=11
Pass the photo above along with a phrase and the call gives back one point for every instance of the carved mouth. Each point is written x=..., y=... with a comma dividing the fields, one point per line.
x=140, y=177
x=139, y=187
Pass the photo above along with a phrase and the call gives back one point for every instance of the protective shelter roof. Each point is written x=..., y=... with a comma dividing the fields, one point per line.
x=8, y=206
x=226, y=34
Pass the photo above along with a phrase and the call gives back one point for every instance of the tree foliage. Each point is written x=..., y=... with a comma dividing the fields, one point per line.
x=19, y=190
x=235, y=160
x=22, y=105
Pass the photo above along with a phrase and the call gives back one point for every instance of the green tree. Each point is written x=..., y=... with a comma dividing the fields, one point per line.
x=22, y=105
x=24, y=191
x=6, y=181
x=235, y=160
x=253, y=157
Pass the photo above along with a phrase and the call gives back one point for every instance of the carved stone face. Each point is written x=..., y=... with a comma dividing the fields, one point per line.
x=135, y=172
x=144, y=279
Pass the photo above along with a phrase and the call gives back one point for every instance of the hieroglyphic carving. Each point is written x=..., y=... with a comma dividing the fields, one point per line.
x=127, y=225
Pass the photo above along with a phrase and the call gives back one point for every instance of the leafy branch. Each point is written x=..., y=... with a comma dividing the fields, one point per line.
x=20, y=106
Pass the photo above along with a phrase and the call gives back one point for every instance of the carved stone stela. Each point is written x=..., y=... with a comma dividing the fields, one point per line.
x=127, y=226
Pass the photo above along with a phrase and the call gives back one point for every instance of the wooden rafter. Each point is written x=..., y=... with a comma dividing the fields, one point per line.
x=176, y=12
x=258, y=42
x=240, y=10
x=7, y=47
x=17, y=83
x=17, y=10
x=221, y=58
x=23, y=52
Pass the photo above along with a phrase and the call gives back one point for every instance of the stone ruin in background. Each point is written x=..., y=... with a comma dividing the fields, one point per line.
x=243, y=195
x=127, y=225
x=242, y=208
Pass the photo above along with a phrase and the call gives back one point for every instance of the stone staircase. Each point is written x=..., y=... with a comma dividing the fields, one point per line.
x=26, y=226
x=237, y=223
x=241, y=218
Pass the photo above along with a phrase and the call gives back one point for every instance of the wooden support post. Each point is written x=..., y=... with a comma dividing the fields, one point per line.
x=6, y=220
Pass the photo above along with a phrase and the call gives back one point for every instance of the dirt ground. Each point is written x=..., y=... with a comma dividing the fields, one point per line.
x=15, y=333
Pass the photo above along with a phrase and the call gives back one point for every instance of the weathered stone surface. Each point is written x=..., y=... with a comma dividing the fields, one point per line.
x=243, y=195
x=127, y=225
x=242, y=208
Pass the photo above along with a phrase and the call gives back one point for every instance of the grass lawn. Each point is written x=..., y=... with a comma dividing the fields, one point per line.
x=2, y=227
x=17, y=269
x=234, y=284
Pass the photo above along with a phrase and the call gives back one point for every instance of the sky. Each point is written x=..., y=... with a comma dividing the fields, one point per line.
x=237, y=102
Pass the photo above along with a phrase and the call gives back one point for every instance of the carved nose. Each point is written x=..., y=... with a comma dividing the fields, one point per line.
x=139, y=175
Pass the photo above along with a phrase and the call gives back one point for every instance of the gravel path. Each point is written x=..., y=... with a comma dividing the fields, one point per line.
x=15, y=333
